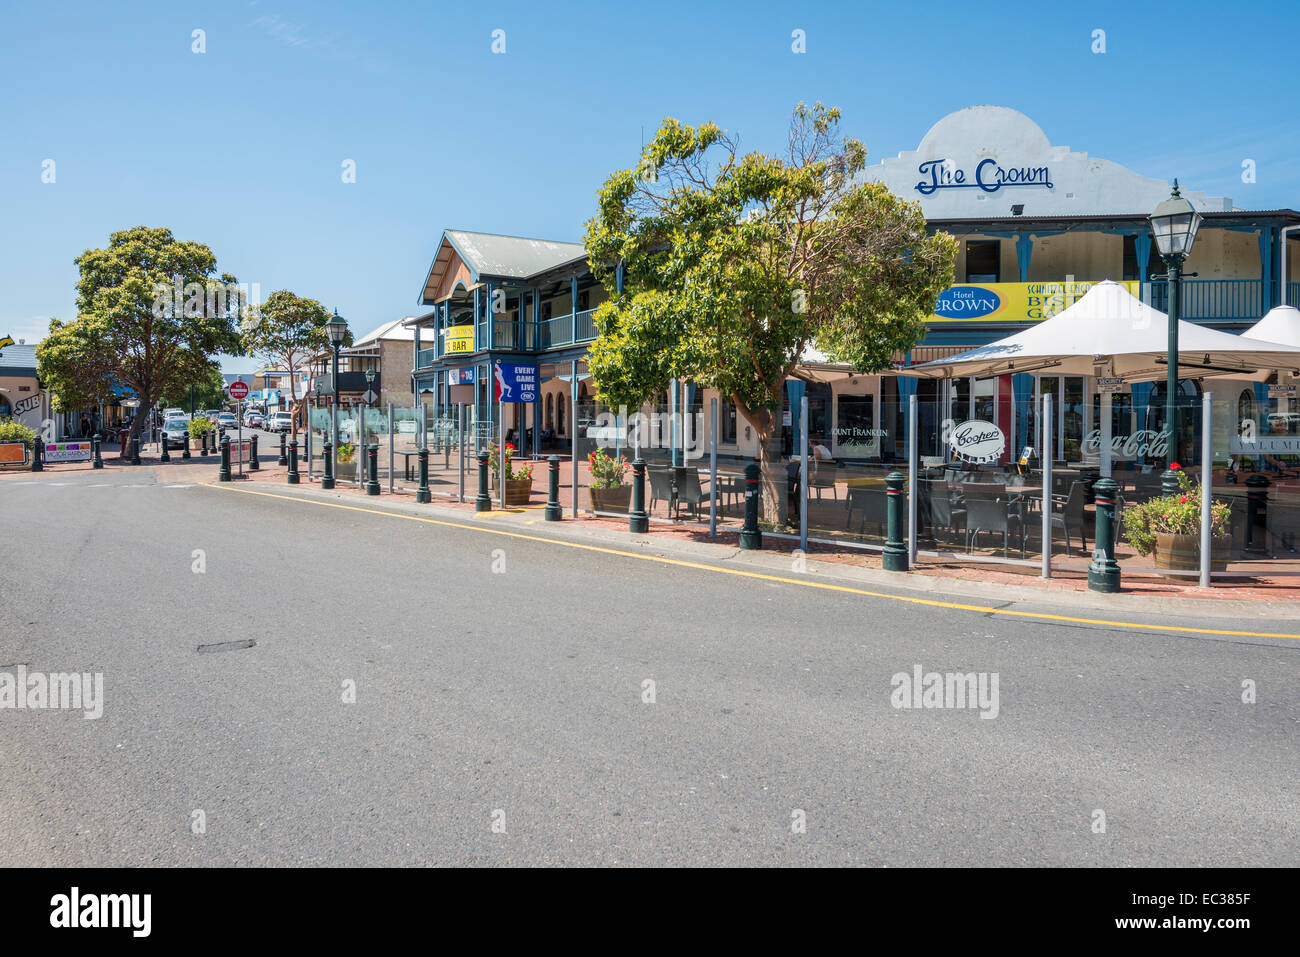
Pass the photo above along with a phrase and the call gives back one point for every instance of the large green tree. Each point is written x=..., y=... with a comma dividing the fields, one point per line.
x=209, y=391
x=735, y=264
x=287, y=330
x=151, y=311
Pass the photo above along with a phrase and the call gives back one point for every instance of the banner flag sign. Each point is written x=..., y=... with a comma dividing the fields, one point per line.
x=514, y=382
x=67, y=452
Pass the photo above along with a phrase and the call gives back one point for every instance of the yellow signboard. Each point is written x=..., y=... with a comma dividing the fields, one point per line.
x=1010, y=301
x=459, y=339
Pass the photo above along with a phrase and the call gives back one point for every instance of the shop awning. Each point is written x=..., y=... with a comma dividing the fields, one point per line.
x=1110, y=332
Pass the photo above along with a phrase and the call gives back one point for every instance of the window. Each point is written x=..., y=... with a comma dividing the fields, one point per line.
x=855, y=430
x=559, y=417
x=550, y=409
x=983, y=260
x=728, y=421
x=583, y=299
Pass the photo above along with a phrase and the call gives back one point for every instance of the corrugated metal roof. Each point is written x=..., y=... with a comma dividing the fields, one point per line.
x=18, y=359
x=493, y=256
x=396, y=329
x=512, y=257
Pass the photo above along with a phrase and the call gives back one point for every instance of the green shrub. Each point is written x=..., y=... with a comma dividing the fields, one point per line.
x=199, y=425
x=1179, y=514
x=11, y=430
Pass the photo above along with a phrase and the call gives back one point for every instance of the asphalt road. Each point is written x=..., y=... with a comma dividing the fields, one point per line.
x=516, y=697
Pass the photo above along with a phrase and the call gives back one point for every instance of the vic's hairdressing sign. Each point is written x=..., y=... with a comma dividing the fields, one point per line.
x=988, y=175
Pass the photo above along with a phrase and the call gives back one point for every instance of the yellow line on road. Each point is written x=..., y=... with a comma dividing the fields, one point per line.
x=743, y=573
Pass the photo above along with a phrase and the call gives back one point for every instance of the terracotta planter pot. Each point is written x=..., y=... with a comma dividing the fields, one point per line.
x=1183, y=552
x=518, y=491
x=612, y=499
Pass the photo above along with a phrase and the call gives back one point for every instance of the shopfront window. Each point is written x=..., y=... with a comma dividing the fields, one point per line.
x=729, y=421
x=1072, y=418
x=892, y=420
x=855, y=426
x=819, y=412
x=985, y=401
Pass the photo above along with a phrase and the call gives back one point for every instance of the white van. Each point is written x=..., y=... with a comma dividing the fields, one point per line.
x=280, y=422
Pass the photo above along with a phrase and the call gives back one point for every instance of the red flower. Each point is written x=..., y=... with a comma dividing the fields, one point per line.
x=1182, y=499
x=1174, y=465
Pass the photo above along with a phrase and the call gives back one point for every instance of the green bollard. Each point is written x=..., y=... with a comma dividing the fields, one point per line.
x=327, y=480
x=253, y=464
x=135, y=450
x=185, y=451
x=203, y=436
x=283, y=459
x=422, y=494
x=293, y=478
x=638, y=521
x=750, y=536
x=482, y=503
x=223, y=475
x=164, y=455
x=553, y=511
x=895, y=554
x=99, y=459
x=372, y=469
x=38, y=449
x=1103, y=573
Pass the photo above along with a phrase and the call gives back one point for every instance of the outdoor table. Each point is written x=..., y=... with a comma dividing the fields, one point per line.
x=407, y=475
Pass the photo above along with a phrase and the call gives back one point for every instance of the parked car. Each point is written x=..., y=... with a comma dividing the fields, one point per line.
x=227, y=420
x=279, y=422
x=173, y=414
x=254, y=418
x=175, y=431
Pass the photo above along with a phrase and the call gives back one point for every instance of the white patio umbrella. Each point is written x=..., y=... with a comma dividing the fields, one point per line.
x=1110, y=332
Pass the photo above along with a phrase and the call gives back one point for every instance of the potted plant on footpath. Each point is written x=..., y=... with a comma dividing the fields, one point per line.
x=197, y=426
x=519, y=482
x=1170, y=527
x=347, y=466
x=608, y=491
x=11, y=430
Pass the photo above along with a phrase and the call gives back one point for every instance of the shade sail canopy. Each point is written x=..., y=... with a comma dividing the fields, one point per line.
x=1110, y=332
x=1280, y=324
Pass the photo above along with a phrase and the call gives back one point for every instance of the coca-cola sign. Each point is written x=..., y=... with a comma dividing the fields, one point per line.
x=1144, y=442
x=977, y=441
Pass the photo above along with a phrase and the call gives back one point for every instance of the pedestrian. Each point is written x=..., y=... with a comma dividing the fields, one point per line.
x=85, y=426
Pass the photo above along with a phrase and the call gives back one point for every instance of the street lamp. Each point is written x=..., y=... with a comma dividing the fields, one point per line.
x=338, y=331
x=1173, y=223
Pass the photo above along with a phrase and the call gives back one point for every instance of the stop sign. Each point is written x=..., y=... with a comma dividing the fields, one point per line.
x=238, y=390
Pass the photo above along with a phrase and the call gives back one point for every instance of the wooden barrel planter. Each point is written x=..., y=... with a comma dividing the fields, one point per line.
x=612, y=499
x=518, y=491
x=1183, y=553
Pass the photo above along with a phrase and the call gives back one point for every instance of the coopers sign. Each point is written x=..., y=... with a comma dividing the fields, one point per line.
x=977, y=441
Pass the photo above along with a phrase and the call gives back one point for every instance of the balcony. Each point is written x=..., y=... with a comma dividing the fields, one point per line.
x=348, y=382
x=560, y=330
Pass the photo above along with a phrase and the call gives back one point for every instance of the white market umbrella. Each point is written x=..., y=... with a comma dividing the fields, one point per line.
x=1280, y=324
x=1110, y=332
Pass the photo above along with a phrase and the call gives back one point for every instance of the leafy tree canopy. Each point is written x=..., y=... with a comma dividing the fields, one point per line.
x=734, y=264
x=287, y=330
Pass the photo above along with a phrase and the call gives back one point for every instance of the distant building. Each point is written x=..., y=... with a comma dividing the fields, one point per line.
x=21, y=394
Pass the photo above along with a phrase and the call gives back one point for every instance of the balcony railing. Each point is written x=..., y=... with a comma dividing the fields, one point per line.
x=425, y=357
x=1213, y=299
x=560, y=331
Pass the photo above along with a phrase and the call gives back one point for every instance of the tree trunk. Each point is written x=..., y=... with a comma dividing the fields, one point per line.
x=137, y=426
x=774, y=479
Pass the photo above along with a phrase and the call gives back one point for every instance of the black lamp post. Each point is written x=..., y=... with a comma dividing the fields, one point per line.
x=1174, y=223
x=338, y=331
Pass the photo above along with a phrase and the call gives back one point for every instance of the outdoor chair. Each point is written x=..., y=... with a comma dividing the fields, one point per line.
x=661, y=487
x=689, y=491
x=872, y=503
x=987, y=510
x=943, y=513
x=1067, y=513
x=823, y=476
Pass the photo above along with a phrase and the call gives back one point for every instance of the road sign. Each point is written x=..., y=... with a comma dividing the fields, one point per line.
x=370, y=397
x=238, y=390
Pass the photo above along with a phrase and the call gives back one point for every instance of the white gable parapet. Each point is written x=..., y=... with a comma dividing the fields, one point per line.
x=980, y=161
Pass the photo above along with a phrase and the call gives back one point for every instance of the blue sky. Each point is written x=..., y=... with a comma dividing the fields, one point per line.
x=241, y=147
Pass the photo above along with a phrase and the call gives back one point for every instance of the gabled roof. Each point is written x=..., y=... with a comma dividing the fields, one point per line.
x=490, y=256
x=18, y=360
x=396, y=329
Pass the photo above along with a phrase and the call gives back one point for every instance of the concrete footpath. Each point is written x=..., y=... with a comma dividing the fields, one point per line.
x=777, y=557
